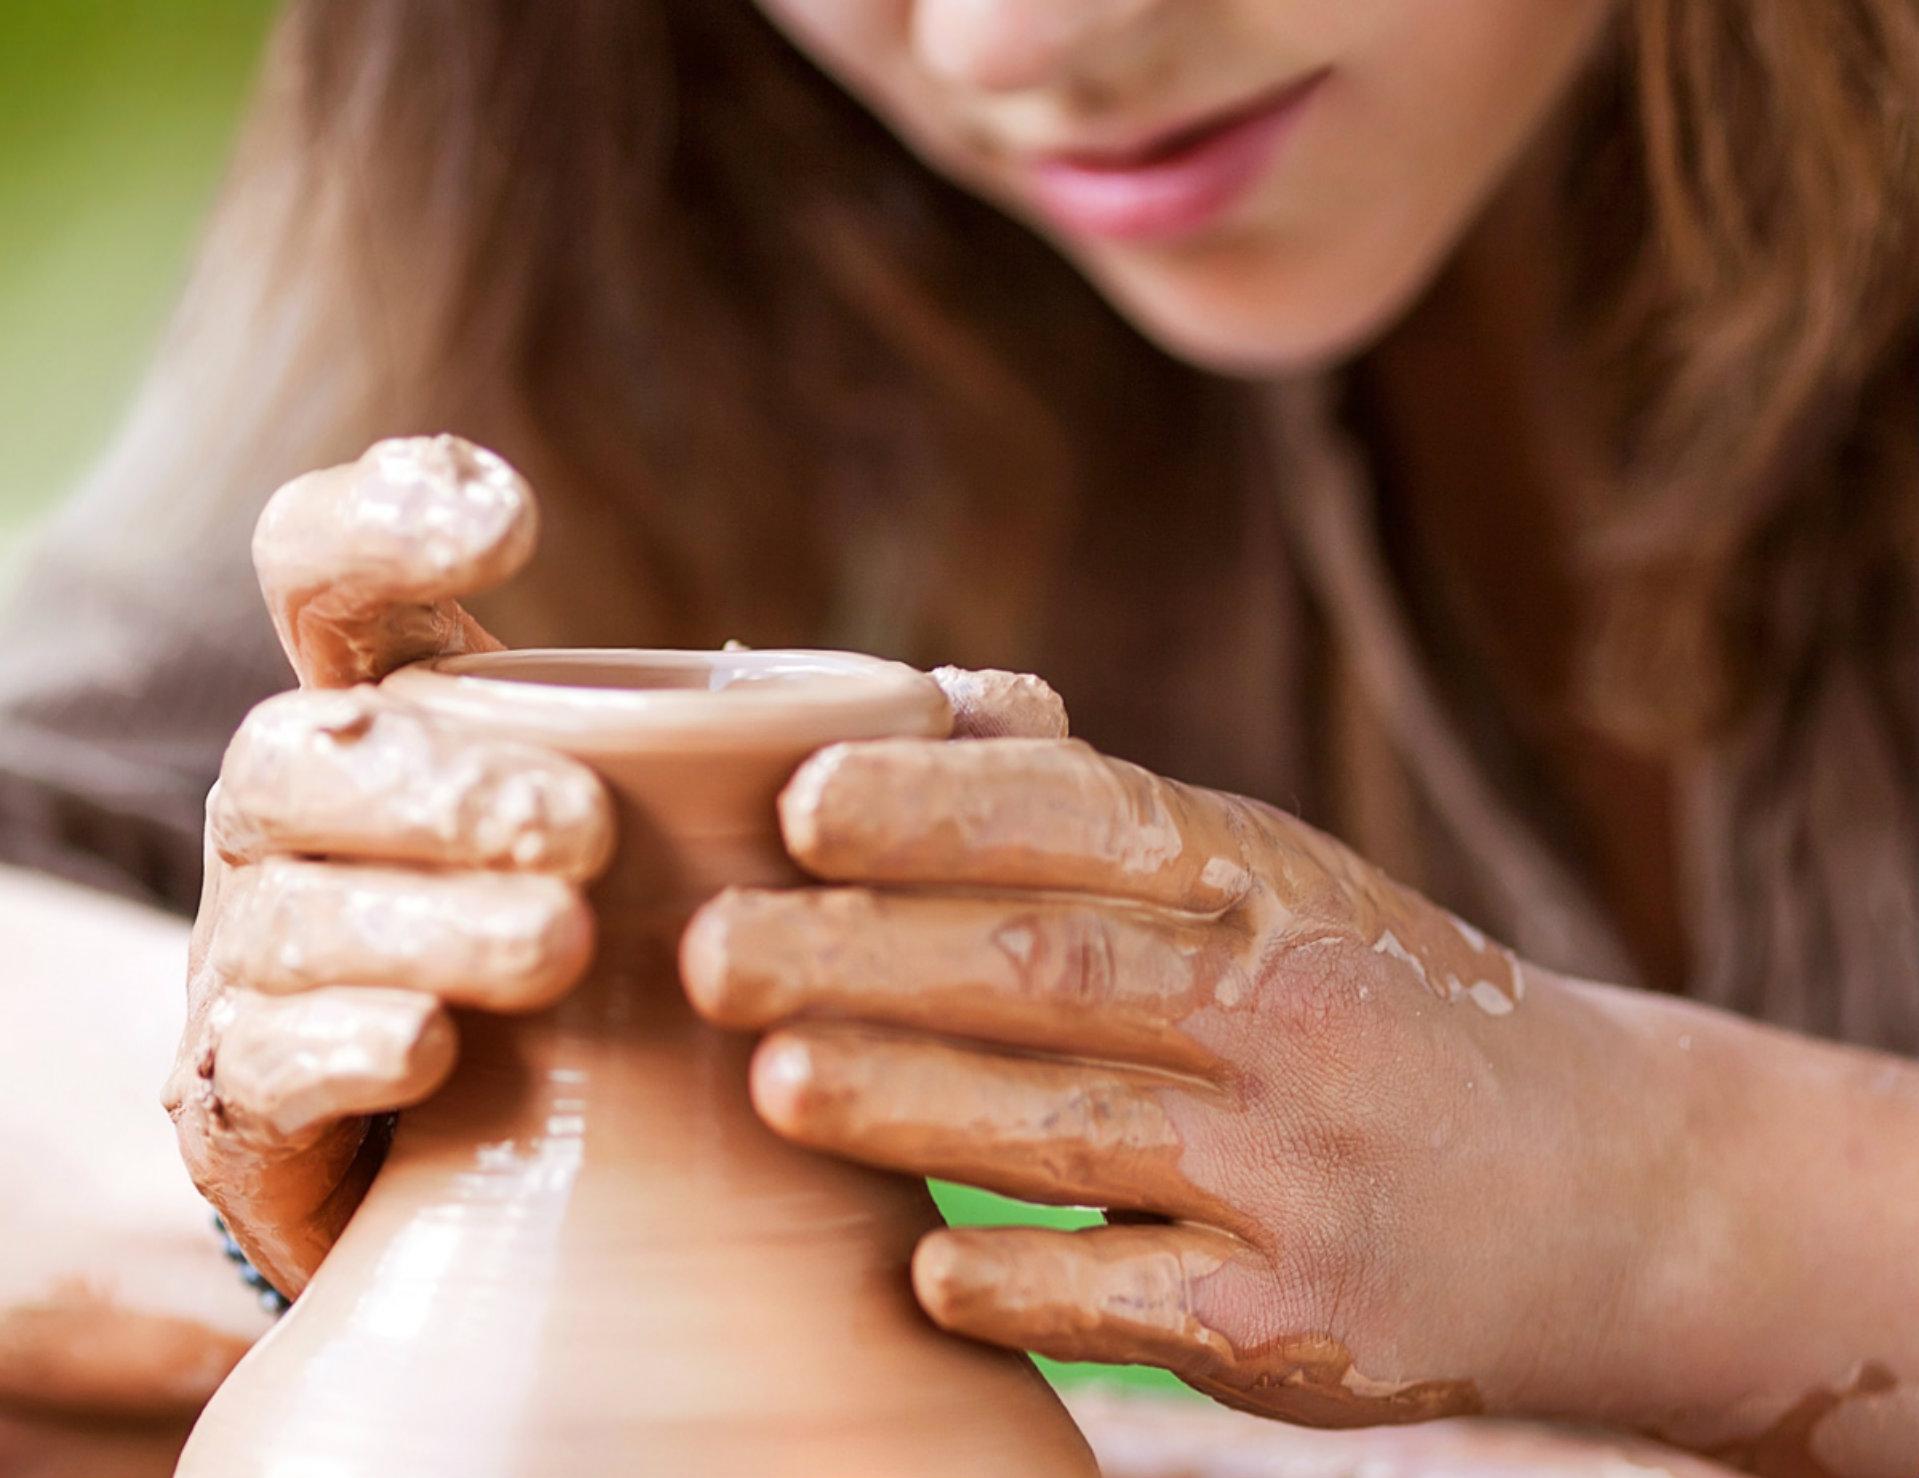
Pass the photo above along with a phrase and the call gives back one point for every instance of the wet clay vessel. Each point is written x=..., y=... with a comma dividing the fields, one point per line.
x=585, y=1255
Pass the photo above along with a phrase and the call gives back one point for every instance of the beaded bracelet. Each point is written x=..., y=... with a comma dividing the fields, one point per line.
x=271, y=1299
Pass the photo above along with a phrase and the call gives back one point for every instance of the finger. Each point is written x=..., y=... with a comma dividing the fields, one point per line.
x=1013, y=813
x=1076, y=978
x=356, y=773
x=1063, y=1133
x=1177, y=1296
x=362, y=565
x=989, y=704
x=287, y=1066
x=1189, y=1299
x=497, y=941
x=285, y=1204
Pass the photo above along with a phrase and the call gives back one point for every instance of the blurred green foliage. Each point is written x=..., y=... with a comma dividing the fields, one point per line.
x=115, y=120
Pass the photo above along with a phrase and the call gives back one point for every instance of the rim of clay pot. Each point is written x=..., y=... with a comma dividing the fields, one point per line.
x=672, y=698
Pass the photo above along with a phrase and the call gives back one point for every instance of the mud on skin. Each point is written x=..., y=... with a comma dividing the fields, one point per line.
x=1037, y=971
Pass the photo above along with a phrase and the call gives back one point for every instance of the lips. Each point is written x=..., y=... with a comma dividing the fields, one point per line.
x=1176, y=184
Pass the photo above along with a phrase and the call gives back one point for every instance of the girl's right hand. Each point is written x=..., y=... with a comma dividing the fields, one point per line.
x=366, y=865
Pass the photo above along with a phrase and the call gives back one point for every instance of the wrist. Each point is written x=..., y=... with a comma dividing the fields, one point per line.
x=1779, y=1207
x=1604, y=1180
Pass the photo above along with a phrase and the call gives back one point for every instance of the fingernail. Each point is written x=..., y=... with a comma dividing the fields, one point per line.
x=783, y=1082
x=948, y=1274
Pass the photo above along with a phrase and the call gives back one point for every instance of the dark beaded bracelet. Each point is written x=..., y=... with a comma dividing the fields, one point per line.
x=271, y=1299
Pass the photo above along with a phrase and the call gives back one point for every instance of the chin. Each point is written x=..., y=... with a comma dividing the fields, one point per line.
x=1255, y=311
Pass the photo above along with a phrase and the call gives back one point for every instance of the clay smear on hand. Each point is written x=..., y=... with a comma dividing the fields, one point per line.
x=1327, y=891
x=496, y=940
x=362, y=565
x=990, y=704
x=1043, y=1130
x=356, y=774
x=1057, y=817
x=1051, y=815
x=1815, y=1439
x=1186, y=1298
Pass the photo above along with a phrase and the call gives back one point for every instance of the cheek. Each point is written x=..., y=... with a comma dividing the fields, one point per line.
x=1455, y=93
x=1432, y=104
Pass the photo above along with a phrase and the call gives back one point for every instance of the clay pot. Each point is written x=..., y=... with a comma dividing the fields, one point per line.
x=585, y=1255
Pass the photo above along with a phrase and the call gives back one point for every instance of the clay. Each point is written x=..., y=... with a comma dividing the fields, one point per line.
x=1149, y=1290
x=1046, y=1131
x=300, y=1063
x=584, y=1253
x=991, y=704
x=118, y=1316
x=37, y=1446
x=1042, y=973
x=1864, y=1435
x=81, y=1350
x=1020, y=813
x=1052, y=981
x=363, y=564
x=348, y=773
x=1790, y=1447
x=500, y=941
x=1039, y=814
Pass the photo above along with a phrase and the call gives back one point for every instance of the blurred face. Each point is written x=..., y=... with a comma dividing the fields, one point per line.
x=1258, y=184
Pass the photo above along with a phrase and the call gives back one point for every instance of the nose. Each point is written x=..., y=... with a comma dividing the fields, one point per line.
x=1009, y=45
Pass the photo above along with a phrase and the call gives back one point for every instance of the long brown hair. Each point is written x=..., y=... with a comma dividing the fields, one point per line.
x=1759, y=330
x=777, y=380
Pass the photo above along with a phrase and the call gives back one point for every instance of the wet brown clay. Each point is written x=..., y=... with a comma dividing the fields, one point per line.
x=585, y=1254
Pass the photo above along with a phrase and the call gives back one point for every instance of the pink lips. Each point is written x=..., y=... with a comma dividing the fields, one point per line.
x=1173, y=187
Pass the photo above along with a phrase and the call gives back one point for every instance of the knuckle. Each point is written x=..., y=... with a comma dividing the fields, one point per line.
x=281, y=731
x=1082, y=949
x=1234, y=1304
x=1314, y=995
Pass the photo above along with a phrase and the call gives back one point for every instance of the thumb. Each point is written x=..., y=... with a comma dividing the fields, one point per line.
x=362, y=565
x=988, y=704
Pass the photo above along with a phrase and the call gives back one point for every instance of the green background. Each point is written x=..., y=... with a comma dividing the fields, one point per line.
x=115, y=119
x=114, y=122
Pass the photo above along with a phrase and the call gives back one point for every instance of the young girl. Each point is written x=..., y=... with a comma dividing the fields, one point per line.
x=1484, y=430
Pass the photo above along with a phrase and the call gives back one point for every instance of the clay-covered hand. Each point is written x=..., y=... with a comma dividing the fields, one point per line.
x=1336, y=1118
x=368, y=865
x=365, y=866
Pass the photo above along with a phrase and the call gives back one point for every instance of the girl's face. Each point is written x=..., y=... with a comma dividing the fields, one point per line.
x=1258, y=184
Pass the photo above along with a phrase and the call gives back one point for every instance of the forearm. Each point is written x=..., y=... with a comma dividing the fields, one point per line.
x=1772, y=1317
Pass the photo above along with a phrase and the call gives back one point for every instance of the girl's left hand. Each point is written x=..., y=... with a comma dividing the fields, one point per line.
x=1349, y=1136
